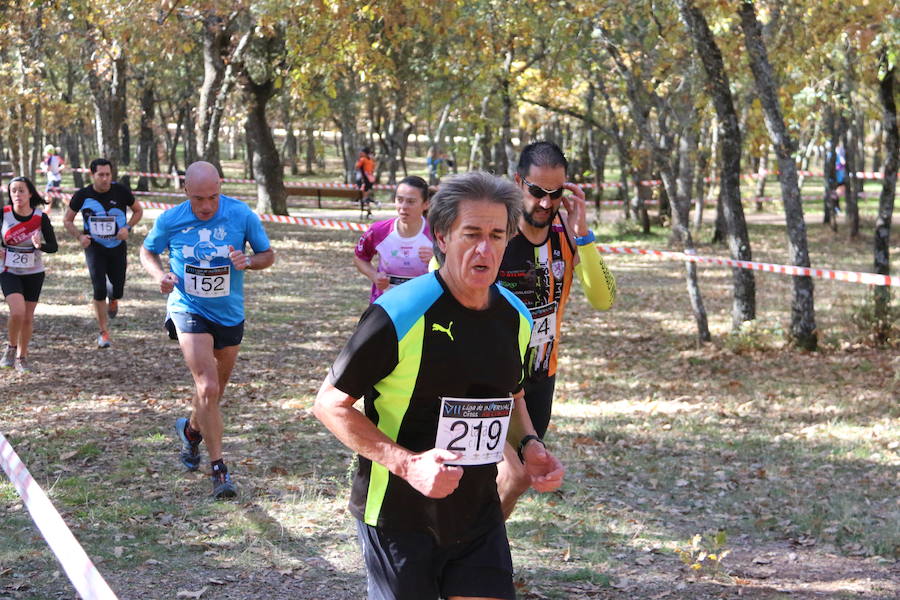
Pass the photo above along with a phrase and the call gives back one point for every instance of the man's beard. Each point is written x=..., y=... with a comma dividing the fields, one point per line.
x=529, y=218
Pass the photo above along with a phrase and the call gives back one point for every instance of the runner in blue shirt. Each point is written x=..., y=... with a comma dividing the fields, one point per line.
x=206, y=238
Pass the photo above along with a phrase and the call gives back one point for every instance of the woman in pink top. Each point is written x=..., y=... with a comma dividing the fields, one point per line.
x=403, y=244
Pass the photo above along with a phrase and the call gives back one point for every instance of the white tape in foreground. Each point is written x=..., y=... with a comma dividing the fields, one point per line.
x=81, y=571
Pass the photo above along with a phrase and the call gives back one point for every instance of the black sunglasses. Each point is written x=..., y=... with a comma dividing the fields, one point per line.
x=539, y=192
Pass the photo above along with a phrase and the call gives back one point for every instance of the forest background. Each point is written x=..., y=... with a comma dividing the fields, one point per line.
x=689, y=94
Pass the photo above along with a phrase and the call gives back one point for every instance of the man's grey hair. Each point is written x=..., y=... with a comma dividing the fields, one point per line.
x=474, y=185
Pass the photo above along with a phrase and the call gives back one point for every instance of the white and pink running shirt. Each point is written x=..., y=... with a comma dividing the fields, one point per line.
x=398, y=257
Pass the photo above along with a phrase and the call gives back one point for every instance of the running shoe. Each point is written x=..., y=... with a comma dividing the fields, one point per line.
x=112, y=309
x=9, y=357
x=103, y=340
x=22, y=365
x=222, y=486
x=190, y=451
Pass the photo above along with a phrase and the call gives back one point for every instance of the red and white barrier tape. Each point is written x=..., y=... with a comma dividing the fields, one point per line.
x=308, y=221
x=79, y=568
x=848, y=276
x=346, y=186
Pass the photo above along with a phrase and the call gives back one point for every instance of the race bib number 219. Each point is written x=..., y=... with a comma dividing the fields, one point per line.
x=476, y=428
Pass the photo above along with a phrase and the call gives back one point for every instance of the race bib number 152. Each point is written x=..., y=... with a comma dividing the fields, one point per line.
x=207, y=282
x=476, y=428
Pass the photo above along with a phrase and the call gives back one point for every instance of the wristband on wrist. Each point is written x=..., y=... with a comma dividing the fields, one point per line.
x=525, y=441
x=128, y=227
x=585, y=239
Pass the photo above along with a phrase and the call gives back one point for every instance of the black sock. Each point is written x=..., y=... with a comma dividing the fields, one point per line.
x=218, y=466
x=192, y=434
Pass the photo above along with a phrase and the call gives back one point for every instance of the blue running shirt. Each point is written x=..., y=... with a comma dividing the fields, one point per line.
x=196, y=245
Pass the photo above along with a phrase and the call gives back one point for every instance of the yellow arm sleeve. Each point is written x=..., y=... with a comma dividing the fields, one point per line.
x=598, y=283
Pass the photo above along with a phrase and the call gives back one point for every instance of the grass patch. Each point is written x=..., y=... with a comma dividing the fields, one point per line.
x=661, y=439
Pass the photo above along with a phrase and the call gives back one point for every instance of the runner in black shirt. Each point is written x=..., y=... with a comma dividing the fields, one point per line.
x=439, y=362
x=103, y=236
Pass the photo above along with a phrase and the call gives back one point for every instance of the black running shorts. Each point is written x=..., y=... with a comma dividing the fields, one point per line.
x=27, y=285
x=223, y=335
x=412, y=566
x=539, y=400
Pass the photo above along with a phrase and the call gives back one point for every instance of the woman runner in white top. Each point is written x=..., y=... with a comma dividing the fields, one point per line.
x=403, y=244
x=25, y=234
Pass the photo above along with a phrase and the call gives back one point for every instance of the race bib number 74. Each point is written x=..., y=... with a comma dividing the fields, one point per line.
x=474, y=427
x=544, y=329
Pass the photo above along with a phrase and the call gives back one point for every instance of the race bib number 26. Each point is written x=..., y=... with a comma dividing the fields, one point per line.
x=476, y=428
x=207, y=282
x=19, y=258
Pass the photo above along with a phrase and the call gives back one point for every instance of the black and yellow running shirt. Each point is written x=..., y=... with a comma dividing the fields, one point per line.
x=540, y=275
x=413, y=346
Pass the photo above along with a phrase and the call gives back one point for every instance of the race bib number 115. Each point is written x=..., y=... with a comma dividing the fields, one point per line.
x=476, y=428
x=102, y=227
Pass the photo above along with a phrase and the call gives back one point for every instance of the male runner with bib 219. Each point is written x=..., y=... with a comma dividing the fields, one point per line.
x=439, y=363
x=206, y=237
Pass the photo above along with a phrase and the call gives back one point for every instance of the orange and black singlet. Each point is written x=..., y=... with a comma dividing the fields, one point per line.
x=540, y=275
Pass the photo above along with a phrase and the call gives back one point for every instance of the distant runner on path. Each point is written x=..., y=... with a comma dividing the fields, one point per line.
x=206, y=237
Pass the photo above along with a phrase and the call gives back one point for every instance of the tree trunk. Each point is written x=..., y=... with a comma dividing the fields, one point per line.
x=807, y=154
x=882, y=294
x=126, y=142
x=146, y=137
x=877, y=134
x=290, y=148
x=309, y=134
x=73, y=155
x=506, y=155
x=803, y=316
x=191, y=153
x=851, y=206
x=172, y=143
x=109, y=109
x=37, y=132
x=218, y=81
x=702, y=166
x=744, y=303
x=681, y=215
x=832, y=130
x=626, y=169
x=762, y=172
x=267, y=167
x=249, y=151
x=642, y=192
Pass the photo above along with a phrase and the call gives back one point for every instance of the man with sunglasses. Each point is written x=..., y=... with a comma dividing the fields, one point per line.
x=538, y=266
